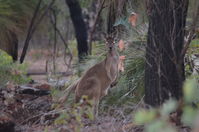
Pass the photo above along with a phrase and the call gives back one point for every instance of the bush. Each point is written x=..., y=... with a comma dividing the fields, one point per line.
x=160, y=119
x=11, y=72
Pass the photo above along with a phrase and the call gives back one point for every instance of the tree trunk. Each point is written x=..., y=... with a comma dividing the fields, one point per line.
x=14, y=43
x=116, y=9
x=164, y=69
x=80, y=27
x=10, y=46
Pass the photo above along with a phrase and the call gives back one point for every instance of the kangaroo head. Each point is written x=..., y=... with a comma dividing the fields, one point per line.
x=110, y=42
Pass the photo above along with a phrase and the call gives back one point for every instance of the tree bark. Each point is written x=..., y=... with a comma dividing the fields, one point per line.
x=10, y=46
x=164, y=69
x=14, y=46
x=80, y=27
x=111, y=16
x=116, y=9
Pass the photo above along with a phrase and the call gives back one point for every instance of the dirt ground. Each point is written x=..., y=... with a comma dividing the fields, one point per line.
x=41, y=61
x=31, y=112
x=28, y=108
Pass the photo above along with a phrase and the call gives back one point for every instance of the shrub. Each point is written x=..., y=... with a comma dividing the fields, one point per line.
x=159, y=119
x=11, y=72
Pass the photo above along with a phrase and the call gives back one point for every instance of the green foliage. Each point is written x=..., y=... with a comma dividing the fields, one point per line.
x=160, y=126
x=5, y=60
x=75, y=114
x=85, y=3
x=15, y=18
x=195, y=42
x=168, y=107
x=190, y=91
x=11, y=72
x=130, y=87
x=159, y=119
x=144, y=116
x=15, y=13
x=191, y=61
x=189, y=115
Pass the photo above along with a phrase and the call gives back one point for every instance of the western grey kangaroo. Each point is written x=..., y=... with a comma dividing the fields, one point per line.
x=98, y=79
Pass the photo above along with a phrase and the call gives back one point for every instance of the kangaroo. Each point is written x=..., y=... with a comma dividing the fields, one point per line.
x=98, y=79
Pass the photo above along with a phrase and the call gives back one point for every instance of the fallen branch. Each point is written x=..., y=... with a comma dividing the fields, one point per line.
x=53, y=113
x=32, y=91
x=45, y=73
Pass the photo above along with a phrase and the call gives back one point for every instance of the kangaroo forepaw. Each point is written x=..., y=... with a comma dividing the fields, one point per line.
x=114, y=84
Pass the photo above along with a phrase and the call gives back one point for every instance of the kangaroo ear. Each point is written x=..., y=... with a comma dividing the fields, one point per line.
x=114, y=34
x=105, y=35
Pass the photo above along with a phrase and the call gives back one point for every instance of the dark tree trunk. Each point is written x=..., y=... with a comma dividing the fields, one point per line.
x=164, y=70
x=14, y=43
x=11, y=45
x=117, y=8
x=111, y=16
x=80, y=27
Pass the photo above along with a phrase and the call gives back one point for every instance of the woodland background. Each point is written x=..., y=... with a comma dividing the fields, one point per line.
x=47, y=44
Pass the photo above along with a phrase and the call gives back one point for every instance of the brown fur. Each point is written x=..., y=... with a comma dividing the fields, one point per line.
x=97, y=80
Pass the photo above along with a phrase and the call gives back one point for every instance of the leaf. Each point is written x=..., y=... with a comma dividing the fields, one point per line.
x=121, y=63
x=133, y=19
x=189, y=115
x=168, y=107
x=121, y=45
x=159, y=126
x=144, y=116
x=190, y=90
x=122, y=57
x=122, y=21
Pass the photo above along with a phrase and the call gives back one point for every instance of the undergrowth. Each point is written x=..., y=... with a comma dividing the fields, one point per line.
x=11, y=72
x=172, y=114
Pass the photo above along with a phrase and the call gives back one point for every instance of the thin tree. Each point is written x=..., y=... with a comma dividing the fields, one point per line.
x=33, y=26
x=100, y=7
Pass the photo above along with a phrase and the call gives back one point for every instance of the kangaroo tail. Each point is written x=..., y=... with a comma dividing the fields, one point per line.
x=68, y=91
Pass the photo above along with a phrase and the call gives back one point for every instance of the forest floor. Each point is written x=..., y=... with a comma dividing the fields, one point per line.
x=28, y=108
